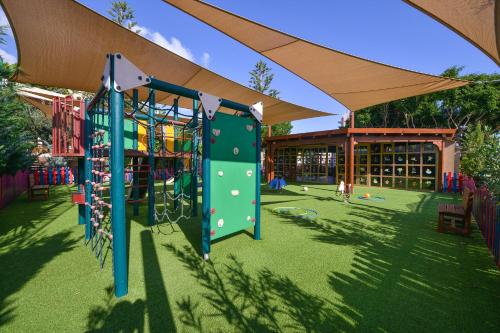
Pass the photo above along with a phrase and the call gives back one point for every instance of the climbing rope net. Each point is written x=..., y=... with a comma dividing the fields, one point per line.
x=171, y=141
x=101, y=237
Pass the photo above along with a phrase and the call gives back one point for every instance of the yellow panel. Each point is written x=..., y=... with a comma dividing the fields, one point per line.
x=142, y=136
x=170, y=137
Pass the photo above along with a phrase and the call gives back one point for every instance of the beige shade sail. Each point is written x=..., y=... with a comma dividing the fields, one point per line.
x=42, y=103
x=478, y=21
x=62, y=43
x=355, y=82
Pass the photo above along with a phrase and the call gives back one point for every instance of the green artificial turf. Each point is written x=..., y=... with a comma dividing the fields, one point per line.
x=365, y=266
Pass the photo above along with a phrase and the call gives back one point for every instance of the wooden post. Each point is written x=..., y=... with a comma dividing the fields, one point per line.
x=351, y=151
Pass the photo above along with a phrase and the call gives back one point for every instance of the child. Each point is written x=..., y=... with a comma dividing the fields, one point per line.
x=341, y=190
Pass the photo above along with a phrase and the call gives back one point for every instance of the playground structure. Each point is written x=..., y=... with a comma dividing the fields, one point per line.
x=230, y=172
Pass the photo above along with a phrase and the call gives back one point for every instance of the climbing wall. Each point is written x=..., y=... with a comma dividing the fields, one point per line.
x=233, y=159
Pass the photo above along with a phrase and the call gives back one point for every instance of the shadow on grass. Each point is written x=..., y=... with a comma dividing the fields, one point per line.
x=405, y=276
x=261, y=302
x=125, y=316
x=21, y=263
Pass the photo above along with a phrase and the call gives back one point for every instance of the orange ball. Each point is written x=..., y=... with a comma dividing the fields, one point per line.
x=367, y=195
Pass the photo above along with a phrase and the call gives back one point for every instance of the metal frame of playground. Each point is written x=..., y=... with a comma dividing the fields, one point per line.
x=106, y=168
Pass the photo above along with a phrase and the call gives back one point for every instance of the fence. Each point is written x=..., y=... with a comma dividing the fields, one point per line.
x=12, y=186
x=486, y=212
x=53, y=176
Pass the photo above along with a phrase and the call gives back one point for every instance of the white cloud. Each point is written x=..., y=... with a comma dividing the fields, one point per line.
x=7, y=57
x=173, y=44
x=205, y=59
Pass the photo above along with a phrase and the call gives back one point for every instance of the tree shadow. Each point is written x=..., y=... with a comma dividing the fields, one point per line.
x=123, y=316
x=405, y=276
x=261, y=302
x=22, y=263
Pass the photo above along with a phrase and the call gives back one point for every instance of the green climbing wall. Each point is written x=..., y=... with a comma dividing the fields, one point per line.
x=128, y=130
x=232, y=174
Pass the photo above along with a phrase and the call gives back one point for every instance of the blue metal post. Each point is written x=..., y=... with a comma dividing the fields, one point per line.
x=455, y=182
x=205, y=228
x=194, y=160
x=445, y=182
x=88, y=172
x=120, y=268
x=151, y=150
x=177, y=178
x=256, y=230
x=135, y=160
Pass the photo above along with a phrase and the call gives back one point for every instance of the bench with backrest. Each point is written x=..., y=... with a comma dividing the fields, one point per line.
x=37, y=191
x=456, y=218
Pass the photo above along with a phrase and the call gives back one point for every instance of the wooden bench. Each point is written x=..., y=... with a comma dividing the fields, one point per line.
x=39, y=192
x=456, y=218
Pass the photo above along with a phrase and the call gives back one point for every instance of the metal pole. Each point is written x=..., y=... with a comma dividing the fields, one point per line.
x=135, y=160
x=120, y=268
x=88, y=171
x=151, y=150
x=205, y=228
x=81, y=186
x=177, y=179
x=194, y=160
x=256, y=230
x=193, y=94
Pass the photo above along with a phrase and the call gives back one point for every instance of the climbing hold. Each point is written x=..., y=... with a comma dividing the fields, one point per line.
x=254, y=202
x=212, y=140
x=236, y=150
x=212, y=211
x=220, y=173
x=249, y=128
x=212, y=232
x=254, y=144
x=235, y=193
x=96, y=224
x=220, y=223
x=216, y=132
x=110, y=237
x=249, y=173
x=253, y=219
x=249, y=218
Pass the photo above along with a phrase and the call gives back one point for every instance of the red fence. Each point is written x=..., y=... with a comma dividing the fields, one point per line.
x=12, y=186
x=486, y=211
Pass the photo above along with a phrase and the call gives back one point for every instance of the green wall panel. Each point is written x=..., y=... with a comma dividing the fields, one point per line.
x=232, y=174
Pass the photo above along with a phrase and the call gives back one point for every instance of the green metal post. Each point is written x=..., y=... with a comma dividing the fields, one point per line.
x=88, y=170
x=205, y=228
x=135, y=147
x=151, y=151
x=81, y=186
x=194, y=160
x=177, y=178
x=116, y=106
x=256, y=231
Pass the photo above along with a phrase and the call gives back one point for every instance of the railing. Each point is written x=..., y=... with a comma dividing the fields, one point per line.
x=486, y=211
x=12, y=186
x=53, y=176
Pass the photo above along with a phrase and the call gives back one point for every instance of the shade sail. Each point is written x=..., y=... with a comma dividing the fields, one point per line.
x=355, y=82
x=42, y=103
x=478, y=21
x=62, y=43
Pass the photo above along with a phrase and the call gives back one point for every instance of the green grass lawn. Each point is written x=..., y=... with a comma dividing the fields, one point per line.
x=365, y=266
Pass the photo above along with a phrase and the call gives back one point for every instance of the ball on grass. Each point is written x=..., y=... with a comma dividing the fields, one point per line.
x=305, y=188
x=366, y=195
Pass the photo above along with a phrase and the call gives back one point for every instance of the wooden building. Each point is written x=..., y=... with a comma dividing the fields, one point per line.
x=405, y=158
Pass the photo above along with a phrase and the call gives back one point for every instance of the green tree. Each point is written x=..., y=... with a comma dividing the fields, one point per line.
x=3, y=33
x=123, y=14
x=454, y=108
x=480, y=151
x=261, y=78
x=16, y=141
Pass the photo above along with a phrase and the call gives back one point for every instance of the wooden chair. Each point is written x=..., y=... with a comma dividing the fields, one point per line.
x=456, y=218
x=37, y=191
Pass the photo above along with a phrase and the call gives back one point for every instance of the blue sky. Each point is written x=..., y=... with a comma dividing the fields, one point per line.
x=388, y=31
